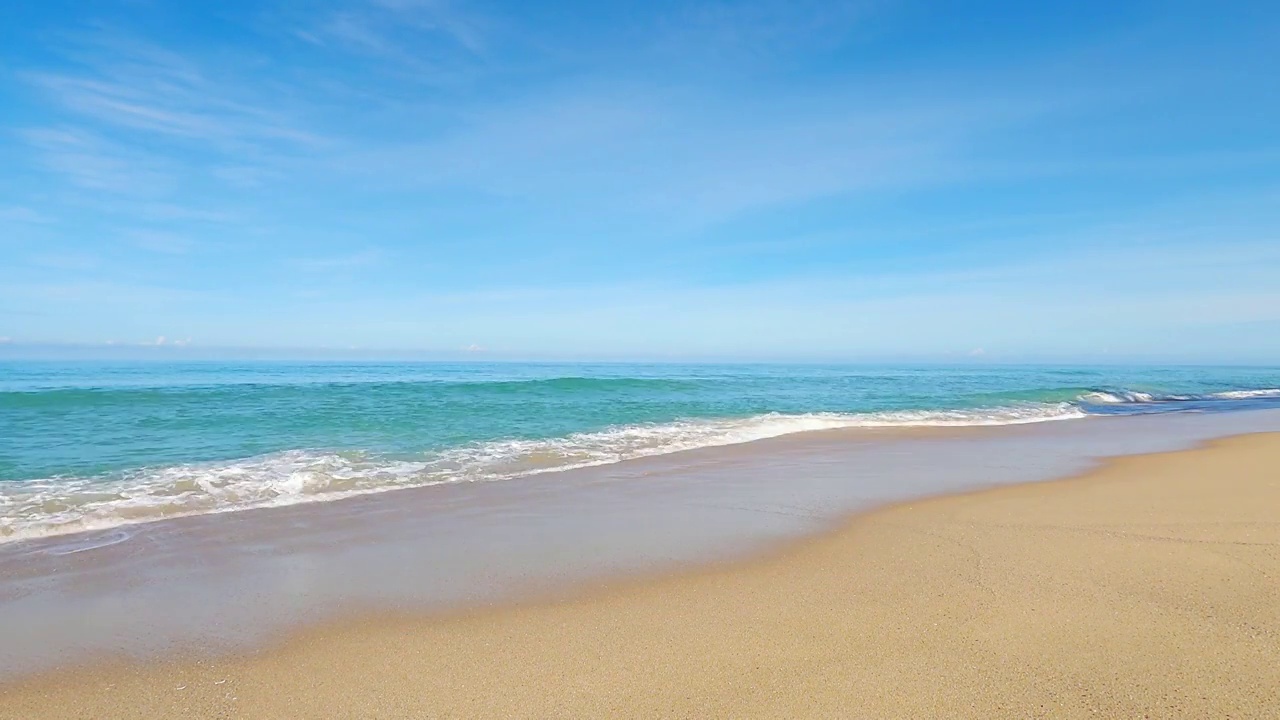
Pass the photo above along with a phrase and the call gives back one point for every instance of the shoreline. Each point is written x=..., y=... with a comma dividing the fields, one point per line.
x=126, y=529
x=67, y=503
x=357, y=640
x=69, y=542
x=223, y=583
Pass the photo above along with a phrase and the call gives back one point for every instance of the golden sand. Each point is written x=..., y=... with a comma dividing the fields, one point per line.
x=1148, y=588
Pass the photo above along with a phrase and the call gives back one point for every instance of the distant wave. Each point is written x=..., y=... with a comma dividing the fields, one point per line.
x=60, y=505
x=80, y=398
x=1135, y=396
x=576, y=382
x=56, y=393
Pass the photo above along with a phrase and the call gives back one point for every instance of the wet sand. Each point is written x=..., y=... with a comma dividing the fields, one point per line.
x=1147, y=588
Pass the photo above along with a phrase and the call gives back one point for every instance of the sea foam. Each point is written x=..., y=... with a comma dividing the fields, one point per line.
x=60, y=505
x=1137, y=397
x=63, y=504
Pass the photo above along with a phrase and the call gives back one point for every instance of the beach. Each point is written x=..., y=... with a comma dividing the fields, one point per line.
x=696, y=359
x=1143, y=588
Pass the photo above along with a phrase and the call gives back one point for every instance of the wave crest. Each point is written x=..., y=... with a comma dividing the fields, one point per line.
x=60, y=505
x=1117, y=397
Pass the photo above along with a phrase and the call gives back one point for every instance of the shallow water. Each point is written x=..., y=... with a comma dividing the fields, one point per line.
x=227, y=581
x=88, y=446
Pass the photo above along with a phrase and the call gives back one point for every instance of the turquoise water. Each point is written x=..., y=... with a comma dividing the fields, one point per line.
x=89, y=445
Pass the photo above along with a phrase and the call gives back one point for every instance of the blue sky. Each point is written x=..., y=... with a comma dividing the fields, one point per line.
x=755, y=180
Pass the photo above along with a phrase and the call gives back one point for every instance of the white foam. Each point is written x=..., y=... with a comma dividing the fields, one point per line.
x=53, y=506
x=1246, y=394
x=1110, y=397
x=1134, y=396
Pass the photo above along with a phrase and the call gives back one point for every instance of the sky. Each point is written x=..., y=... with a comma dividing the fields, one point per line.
x=760, y=180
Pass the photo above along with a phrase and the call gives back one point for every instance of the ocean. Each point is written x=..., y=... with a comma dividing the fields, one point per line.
x=93, y=445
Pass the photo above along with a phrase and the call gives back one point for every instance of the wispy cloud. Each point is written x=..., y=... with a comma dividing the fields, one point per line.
x=167, y=243
x=77, y=261
x=638, y=150
x=757, y=29
x=445, y=16
x=705, y=166
x=135, y=85
x=246, y=177
x=155, y=128
x=164, y=341
x=428, y=40
x=92, y=162
x=20, y=214
x=182, y=212
x=362, y=259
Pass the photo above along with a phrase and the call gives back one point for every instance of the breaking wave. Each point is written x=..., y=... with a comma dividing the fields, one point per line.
x=67, y=504
x=60, y=505
x=1117, y=397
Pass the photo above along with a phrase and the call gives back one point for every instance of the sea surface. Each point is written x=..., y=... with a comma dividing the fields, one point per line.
x=87, y=445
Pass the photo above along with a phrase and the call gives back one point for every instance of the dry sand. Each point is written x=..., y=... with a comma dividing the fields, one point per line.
x=1148, y=588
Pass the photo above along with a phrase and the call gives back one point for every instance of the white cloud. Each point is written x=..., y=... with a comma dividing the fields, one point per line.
x=162, y=341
